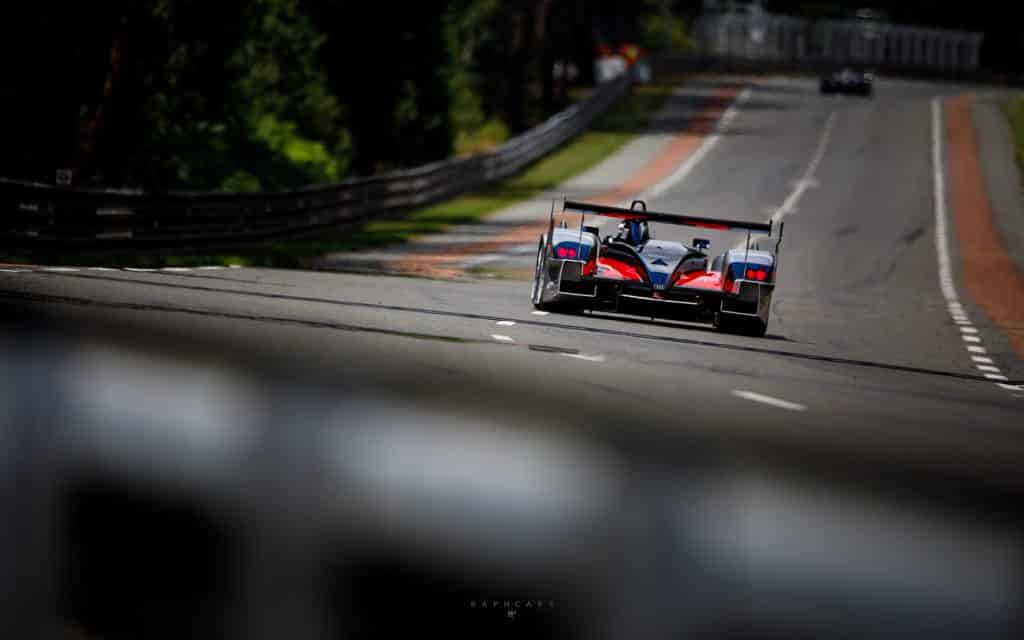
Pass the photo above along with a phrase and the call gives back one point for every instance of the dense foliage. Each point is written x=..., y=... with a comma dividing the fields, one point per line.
x=263, y=94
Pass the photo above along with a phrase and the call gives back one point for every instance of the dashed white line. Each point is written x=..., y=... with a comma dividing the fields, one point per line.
x=102, y=269
x=506, y=323
x=582, y=356
x=60, y=269
x=968, y=333
x=13, y=270
x=210, y=267
x=807, y=180
x=139, y=269
x=501, y=338
x=706, y=146
x=539, y=313
x=175, y=269
x=763, y=399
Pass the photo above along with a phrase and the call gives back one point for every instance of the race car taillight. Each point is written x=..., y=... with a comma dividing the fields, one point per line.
x=570, y=250
x=757, y=274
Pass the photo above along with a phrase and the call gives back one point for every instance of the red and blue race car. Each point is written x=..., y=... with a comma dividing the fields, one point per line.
x=633, y=273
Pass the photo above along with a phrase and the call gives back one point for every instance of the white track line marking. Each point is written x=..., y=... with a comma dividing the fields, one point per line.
x=506, y=323
x=176, y=269
x=102, y=269
x=939, y=199
x=539, y=313
x=501, y=338
x=139, y=269
x=807, y=180
x=775, y=402
x=1011, y=387
x=583, y=356
x=14, y=270
x=705, y=147
x=60, y=269
x=968, y=333
x=234, y=266
x=210, y=267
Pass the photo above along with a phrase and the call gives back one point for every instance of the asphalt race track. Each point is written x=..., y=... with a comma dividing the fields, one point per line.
x=861, y=354
x=860, y=339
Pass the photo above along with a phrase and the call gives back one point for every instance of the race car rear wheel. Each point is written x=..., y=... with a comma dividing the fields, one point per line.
x=753, y=327
x=756, y=328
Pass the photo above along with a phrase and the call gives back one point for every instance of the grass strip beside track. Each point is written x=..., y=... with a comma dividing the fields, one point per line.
x=608, y=134
x=1014, y=109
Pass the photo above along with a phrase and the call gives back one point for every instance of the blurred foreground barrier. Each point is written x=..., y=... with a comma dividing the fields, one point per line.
x=39, y=217
x=158, y=496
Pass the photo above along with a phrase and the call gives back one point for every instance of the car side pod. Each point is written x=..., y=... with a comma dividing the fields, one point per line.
x=749, y=310
x=734, y=316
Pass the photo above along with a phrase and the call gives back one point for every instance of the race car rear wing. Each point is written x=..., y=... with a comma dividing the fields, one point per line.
x=717, y=224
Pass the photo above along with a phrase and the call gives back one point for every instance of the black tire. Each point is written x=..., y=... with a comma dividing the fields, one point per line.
x=755, y=328
x=752, y=327
x=723, y=323
x=540, y=277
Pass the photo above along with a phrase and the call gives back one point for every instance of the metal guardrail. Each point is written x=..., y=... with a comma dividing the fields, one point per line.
x=41, y=217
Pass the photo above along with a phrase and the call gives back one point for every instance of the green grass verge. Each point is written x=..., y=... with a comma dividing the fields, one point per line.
x=1014, y=109
x=604, y=137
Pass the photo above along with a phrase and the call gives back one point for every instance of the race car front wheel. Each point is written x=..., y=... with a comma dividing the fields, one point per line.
x=539, y=277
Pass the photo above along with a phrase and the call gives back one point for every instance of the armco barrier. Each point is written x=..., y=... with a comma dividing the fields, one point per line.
x=41, y=217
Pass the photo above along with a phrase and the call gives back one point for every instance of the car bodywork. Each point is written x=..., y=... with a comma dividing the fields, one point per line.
x=634, y=273
x=847, y=81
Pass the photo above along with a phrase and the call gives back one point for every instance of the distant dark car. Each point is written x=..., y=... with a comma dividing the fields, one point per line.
x=848, y=81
